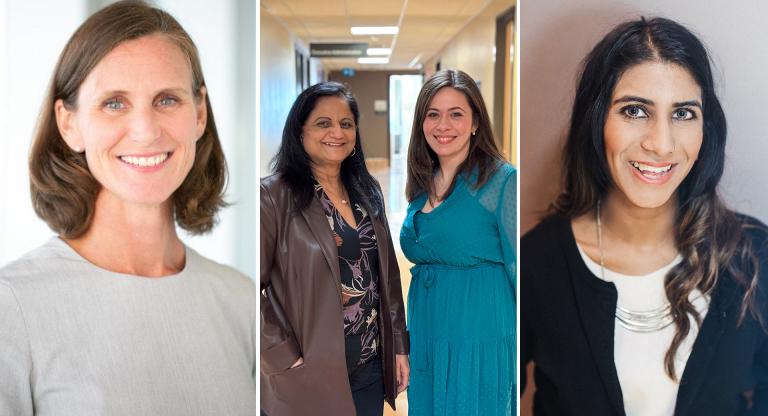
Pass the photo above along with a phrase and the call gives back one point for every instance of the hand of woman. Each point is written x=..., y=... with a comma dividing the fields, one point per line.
x=403, y=372
x=298, y=362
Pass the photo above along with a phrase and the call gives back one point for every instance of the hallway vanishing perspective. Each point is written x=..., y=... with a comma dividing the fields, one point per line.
x=404, y=43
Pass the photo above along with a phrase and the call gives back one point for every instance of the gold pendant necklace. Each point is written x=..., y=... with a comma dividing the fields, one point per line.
x=342, y=200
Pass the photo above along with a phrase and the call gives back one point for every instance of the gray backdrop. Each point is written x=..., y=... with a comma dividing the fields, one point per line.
x=557, y=34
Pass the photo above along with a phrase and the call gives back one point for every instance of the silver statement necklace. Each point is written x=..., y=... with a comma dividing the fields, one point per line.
x=636, y=321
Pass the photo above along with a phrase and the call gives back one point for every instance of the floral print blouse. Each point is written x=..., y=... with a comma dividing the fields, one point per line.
x=359, y=266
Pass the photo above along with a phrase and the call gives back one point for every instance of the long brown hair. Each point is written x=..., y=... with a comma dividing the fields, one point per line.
x=484, y=156
x=63, y=189
x=711, y=238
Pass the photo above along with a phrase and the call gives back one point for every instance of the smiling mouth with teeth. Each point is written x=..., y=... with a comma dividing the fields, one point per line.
x=651, y=171
x=145, y=162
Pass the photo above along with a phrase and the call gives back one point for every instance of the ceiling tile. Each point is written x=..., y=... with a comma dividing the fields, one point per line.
x=426, y=26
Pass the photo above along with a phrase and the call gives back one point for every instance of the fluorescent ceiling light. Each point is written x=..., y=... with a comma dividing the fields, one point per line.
x=374, y=30
x=415, y=61
x=372, y=60
x=378, y=51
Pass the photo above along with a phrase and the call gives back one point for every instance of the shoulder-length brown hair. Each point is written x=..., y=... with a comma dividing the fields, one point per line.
x=711, y=238
x=63, y=189
x=484, y=156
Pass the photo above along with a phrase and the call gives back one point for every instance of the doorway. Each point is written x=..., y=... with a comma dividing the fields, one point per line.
x=403, y=91
x=504, y=78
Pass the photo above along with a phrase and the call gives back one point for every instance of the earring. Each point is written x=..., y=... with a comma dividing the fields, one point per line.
x=77, y=149
x=354, y=150
x=474, y=133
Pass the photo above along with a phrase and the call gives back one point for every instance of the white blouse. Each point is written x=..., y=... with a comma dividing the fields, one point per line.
x=639, y=357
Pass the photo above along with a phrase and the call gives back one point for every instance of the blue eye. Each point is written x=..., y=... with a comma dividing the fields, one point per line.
x=167, y=101
x=114, y=104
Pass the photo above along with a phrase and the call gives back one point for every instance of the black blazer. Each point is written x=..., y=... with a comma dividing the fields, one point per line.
x=567, y=330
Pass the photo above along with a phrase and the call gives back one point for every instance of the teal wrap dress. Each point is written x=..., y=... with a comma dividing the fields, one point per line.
x=461, y=301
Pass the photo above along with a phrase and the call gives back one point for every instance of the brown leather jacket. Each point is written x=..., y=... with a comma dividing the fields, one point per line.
x=301, y=310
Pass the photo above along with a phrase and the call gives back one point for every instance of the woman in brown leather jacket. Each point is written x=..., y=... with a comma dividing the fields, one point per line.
x=333, y=336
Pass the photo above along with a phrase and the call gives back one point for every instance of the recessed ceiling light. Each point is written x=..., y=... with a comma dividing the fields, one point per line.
x=372, y=60
x=374, y=30
x=378, y=51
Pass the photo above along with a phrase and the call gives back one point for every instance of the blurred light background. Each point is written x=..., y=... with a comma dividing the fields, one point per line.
x=33, y=33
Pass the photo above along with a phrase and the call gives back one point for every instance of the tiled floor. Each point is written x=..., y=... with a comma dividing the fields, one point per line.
x=392, y=182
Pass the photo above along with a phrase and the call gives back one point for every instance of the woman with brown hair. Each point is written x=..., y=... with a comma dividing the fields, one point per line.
x=116, y=315
x=641, y=293
x=460, y=231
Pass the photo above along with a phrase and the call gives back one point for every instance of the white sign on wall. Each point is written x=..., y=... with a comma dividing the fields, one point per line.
x=380, y=106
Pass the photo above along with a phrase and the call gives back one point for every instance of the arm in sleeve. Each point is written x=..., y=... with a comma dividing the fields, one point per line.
x=395, y=295
x=506, y=221
x=15, y=358
x=760, y=369
x=760, y=398
x=279, y=349
x=760, y=401
x=506, y=214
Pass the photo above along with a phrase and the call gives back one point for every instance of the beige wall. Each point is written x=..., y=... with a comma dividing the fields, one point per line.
x=277, y=86
x=471, y=50
x=368, y=86
x=549, y=66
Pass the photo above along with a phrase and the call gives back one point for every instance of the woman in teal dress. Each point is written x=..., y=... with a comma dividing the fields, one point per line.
x=460, y=232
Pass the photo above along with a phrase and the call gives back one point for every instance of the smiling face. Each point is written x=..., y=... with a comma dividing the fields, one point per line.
x=653, y=132
x=138, y=120
x=448, y=124
x=329, y=134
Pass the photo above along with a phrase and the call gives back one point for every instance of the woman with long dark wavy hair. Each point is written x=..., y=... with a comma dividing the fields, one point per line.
x=642, y=294
x=460, y=231
x=333, y=336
